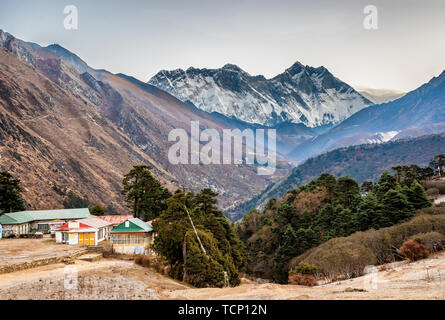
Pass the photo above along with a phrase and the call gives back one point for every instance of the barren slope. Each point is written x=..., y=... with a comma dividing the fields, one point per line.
x=66, y=126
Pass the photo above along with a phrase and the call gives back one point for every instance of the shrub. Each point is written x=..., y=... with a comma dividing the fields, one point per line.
x=434, y=241
x=146, y=261
x=414, y=250
x=440, y=185
x=138, y=259
x=304, y=268
x=302, y=279
x=436, y=210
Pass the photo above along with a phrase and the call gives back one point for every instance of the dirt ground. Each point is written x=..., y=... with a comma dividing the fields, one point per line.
x=103, y=279
x=117, y=279
x=14, y=251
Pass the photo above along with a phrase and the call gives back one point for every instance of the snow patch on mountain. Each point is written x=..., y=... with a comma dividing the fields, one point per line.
x=380, y=137
x=302, y=94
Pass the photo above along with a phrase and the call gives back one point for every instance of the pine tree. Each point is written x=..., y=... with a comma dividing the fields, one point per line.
x=396, y=207
x=145, y=195
x=10, y=199
x=288, y=249
x=386, y=183
x=417, y=196
x=348, y=193
x=97, y=210
x=369, y=213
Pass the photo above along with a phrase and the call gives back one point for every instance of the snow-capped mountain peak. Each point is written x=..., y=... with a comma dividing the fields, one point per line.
x=302, y=94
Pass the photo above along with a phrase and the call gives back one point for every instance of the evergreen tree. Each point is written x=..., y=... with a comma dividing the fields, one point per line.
x=386, y=183
x=10, y=199
x=344, y=223
x=369, y=213
x=145, y=195
x=97, y=210
x=330, y=183
x=348, y=193
x=206, y=200
x=396, y=207
x=177, y=242
x=417, y=196
x=366, y=186
x=288, y=249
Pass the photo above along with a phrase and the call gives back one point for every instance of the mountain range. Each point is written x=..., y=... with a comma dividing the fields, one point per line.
x=419, y=112
x=302, y=94
x=380, y=95
x=361, y=162
x=67, y=127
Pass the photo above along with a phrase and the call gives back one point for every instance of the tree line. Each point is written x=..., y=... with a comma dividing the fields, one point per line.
x=323, y=209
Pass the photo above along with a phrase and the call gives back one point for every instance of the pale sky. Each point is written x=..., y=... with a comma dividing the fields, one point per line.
x=140, y=38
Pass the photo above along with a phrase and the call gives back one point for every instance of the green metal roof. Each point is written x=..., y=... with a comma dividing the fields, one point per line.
x=135, y=225
x=36, y=215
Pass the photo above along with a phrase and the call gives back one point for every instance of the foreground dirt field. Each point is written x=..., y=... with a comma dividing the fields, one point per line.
x=18, y=254
x=91, y=278
x=420, y=280
x=116, y=279
x=20, y=250
x=103, y=279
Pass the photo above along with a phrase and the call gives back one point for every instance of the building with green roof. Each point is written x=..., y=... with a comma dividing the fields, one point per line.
x=17, y=223
x=133, y=236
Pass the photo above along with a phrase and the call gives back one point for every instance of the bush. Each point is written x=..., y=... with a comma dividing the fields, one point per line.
x=138, y=259
x=414, y=250
x=302, y=279
x=146, y=261
x=304, y=268
x=440, y=185
x=436, y=210
x=434, y=241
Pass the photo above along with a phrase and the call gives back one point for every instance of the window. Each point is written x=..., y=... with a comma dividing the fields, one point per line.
x=127, y=238
x=43, y=227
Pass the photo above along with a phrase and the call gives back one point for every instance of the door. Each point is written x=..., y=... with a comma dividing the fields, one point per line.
x=81, y=238
x=92, y=242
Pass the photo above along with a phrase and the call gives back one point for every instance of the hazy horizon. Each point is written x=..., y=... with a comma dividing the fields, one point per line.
x=140, y=38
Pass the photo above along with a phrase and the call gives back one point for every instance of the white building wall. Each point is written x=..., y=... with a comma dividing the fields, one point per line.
x=16, y=229
x=59, y=236
x=127, y=249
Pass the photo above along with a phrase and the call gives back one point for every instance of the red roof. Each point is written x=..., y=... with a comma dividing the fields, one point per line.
x=65, y=227
x=116, y=220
